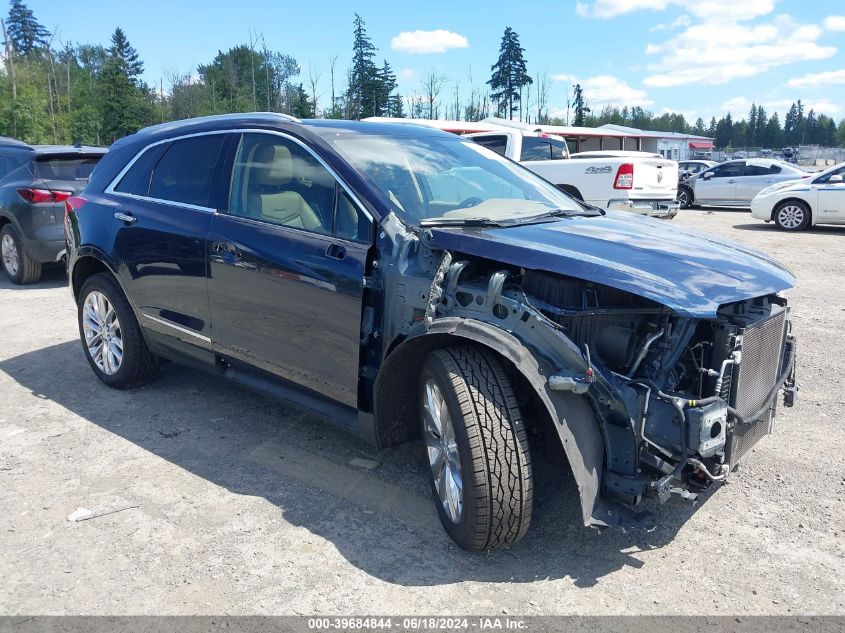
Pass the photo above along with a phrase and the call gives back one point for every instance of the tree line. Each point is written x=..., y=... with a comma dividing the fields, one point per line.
x=64, y=92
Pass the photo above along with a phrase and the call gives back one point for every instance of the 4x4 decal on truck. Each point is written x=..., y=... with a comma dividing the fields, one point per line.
x=605, y=169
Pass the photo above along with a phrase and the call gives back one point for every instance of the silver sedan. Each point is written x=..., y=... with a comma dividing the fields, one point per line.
x=736, y=182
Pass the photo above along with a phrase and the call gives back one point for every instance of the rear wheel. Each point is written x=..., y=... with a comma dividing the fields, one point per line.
x=792, y=215
x=111, y=337
x=477, y=448
x=18, y=265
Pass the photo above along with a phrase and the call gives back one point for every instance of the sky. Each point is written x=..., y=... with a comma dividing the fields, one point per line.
x=697, y=57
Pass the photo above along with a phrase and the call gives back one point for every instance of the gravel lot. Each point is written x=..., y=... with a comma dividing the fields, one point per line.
x=245, y=506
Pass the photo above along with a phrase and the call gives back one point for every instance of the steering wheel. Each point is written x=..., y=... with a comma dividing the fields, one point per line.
x=470, y=202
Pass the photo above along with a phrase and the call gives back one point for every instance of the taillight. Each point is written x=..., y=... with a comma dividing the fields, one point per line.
x=624, y=176
x=37, y=196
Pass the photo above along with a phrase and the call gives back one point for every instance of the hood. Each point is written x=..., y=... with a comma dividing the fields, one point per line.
x=691, y=273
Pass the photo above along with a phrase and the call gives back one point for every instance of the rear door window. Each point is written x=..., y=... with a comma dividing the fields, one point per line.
x=497, y=143
x=184, y=174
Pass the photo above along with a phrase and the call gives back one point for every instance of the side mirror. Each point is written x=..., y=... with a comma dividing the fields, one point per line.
x=836, y=178
x=707, y=175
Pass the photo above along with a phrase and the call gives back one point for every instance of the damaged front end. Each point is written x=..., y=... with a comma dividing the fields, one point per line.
x=647, y=402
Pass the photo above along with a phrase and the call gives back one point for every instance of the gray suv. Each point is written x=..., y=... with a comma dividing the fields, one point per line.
x=35, y=181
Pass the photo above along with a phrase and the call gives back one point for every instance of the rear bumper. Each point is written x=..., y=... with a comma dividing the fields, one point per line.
x=655, y=208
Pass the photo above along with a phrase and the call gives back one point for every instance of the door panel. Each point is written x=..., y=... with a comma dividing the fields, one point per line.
x=162, y=260
x=163, y=206
x=287, y=265
x=721, y=188
x=288, y=302
x=831, y=205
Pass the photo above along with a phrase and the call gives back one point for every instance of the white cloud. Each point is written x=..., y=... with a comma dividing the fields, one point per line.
x=818, y=79
x=422, y=42
x=835, y=23
x=607, y=90
x=705, y=9
x=717, y=51
x=681, y=20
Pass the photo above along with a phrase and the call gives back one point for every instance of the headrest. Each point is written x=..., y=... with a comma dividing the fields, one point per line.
x=272, y=164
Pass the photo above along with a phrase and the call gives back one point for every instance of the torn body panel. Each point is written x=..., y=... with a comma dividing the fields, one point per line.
x=631, y=385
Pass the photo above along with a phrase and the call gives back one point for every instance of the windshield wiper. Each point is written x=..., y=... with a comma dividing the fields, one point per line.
x=459, y=222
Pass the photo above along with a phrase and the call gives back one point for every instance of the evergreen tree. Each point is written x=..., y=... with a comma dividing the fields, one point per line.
x=121, y=94
x=362, y=95
x=760, y=128
x=724, y=131
x=25, y=32
x=750, y=135
x=774, y=134
x=124, y=55
x=840, y=134
x=711, y=129
x=509, y=75
x=699, y=128
x=579, y=103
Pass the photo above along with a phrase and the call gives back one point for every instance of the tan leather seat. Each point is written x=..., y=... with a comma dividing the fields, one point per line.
x=272, y=168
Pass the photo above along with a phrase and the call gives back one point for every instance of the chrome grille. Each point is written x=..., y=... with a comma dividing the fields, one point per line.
x=754, y=379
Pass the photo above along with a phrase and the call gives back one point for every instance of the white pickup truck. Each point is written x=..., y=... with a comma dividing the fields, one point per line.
x=630, y=181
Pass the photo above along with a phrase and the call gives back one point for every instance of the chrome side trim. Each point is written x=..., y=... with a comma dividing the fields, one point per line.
x=184, y=330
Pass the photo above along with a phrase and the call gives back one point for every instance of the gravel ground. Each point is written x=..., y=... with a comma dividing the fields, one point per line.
x=231, y=503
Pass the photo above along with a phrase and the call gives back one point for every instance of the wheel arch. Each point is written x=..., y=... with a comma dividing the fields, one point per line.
x=87, y=263
x=794, y=199
x=567, y=417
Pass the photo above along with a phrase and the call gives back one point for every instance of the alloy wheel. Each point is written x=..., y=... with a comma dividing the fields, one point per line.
x=9, y=251
x=683, y=199
x=103, y=336
x=791, y=216
x=442, y=448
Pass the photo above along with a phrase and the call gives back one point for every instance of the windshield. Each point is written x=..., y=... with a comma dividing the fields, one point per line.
x=434, y=179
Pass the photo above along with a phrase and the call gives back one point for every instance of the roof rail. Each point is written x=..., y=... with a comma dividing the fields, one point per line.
x=216, y=117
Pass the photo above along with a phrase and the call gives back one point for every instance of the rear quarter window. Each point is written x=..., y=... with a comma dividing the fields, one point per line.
x=137, y=178
x=185, y=173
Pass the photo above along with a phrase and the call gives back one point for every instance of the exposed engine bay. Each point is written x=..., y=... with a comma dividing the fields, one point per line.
x=695, y=394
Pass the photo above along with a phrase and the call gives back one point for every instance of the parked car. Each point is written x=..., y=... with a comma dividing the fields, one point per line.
x=800, y=204
x=627, y=181
x=736, y=182
x=408, y=283
x=35, y=181
x=687, y=170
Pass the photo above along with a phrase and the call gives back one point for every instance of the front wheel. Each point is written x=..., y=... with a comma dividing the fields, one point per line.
x=792, y=216
x=685, y=197
x=477, y=448
x=111, y=337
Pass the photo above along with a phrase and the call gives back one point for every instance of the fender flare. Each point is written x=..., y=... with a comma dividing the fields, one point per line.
x=573, y=416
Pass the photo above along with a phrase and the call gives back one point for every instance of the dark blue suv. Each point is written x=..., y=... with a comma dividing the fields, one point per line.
x=407, y=283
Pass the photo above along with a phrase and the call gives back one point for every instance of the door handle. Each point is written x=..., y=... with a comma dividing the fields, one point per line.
x=732, y=182
x=125, y=217
x=336, y=251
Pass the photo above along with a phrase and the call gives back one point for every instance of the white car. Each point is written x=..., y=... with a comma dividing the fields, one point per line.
x=735, y=183
x=799, y=204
